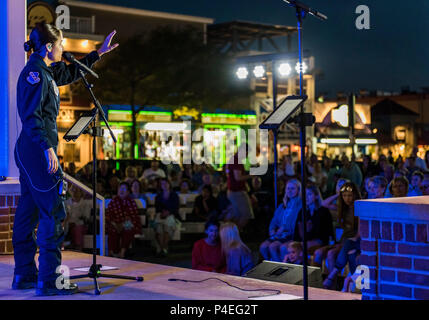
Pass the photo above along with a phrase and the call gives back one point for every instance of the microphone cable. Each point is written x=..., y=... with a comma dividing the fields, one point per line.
x=25, y=170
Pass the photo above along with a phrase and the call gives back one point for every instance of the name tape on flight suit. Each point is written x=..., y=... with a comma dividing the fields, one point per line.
x=56, y=90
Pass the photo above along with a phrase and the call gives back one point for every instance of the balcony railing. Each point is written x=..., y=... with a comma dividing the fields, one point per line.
x=101, y=205
x=82, y=25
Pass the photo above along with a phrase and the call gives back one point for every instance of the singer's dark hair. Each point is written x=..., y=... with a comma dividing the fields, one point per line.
x=42, y=34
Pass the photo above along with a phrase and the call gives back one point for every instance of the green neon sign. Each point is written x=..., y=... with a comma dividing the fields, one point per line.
x=120, y=111
x=118, y=124
x=152, y=113
x=227, y=115
x=136, y=151
x=156, y=113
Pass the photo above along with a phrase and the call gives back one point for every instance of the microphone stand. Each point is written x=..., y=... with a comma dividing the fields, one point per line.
x=304, y=120
x=96, y=131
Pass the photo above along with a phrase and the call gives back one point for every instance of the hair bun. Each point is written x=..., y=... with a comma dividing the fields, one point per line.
x=28, y=45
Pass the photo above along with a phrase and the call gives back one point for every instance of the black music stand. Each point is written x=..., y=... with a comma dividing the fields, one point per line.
x=304, y=120
x=284, y=112
x=280, y=115
x=82, y=125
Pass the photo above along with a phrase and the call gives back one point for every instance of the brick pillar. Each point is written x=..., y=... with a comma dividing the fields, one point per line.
x=8, y=205
x=395, y=247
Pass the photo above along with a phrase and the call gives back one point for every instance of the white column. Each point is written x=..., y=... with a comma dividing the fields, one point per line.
x=16, y=36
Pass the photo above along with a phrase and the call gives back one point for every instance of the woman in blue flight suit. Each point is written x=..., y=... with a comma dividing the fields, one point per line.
x=38, y=103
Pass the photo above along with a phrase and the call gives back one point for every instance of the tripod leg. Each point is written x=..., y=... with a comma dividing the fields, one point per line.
x=78, y=276
x=96, y=287
x=113, y=276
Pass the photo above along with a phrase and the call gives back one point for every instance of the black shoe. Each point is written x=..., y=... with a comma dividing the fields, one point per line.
x=49, y=288
x=24, y=282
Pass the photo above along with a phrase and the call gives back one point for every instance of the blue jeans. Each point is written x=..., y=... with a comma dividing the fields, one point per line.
x=344, y=257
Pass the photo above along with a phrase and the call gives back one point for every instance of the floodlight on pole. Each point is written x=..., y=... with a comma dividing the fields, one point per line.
x=298, y=67
x=259, y=71
x=242, y=73
x=284, y=69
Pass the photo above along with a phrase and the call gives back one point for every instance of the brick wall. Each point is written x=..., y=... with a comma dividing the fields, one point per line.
x=8, y=205
x=397, y=254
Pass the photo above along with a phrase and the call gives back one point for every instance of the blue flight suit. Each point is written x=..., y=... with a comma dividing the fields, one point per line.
x=40, y=204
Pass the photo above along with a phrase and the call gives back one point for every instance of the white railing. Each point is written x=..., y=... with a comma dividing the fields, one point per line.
x=102, y=204
x=82, y=25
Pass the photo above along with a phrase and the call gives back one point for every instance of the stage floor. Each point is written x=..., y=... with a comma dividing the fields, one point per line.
x=156, y=285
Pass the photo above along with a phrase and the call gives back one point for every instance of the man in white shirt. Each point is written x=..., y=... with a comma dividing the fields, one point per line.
x=153, y=172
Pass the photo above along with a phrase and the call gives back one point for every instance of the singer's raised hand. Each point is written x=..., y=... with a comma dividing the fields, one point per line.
x=106, y=47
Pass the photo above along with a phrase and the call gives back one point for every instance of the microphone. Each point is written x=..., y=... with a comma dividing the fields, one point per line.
x=70, y=58
x=306, y=8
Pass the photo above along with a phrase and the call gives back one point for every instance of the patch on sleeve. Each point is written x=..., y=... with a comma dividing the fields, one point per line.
x=33, y=78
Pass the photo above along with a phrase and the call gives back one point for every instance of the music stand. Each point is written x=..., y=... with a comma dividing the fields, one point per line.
x=304, y=120
x=284, y=112
x=281, y=114
x=79, y=127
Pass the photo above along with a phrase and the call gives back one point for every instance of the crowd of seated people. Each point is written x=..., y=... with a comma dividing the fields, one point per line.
x=232, y=202
x=333, y=237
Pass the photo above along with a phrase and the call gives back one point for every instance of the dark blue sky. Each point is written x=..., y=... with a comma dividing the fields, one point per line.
x=393, y=53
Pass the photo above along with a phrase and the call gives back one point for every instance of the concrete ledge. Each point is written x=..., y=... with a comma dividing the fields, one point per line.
x=415, y=209
x=10, y=186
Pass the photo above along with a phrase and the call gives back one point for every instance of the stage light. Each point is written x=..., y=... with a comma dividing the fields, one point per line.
x=284, y=69
x=242, y=73
x=85, y=43
x=298, y=67
x=259, y=71
x=64, y=41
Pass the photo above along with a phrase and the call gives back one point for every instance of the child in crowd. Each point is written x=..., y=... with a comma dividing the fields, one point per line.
x=294, y=253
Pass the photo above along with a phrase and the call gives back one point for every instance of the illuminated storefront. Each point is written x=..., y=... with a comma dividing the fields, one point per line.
x=220, y=136
x=333, y=134
x=148, y=143
x=223, y=133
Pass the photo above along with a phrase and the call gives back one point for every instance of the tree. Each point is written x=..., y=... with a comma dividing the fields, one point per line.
x=168, y=67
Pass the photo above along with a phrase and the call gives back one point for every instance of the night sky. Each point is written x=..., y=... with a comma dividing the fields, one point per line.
x=392, y=54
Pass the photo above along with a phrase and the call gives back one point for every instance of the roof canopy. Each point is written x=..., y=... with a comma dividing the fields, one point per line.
x=241, y=35
x=390, y=107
